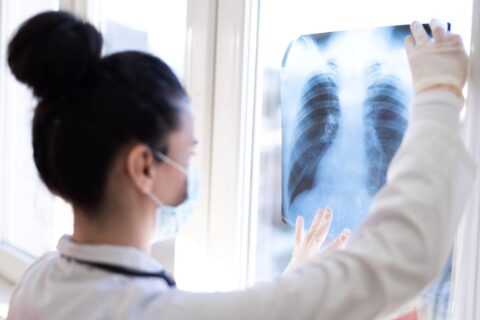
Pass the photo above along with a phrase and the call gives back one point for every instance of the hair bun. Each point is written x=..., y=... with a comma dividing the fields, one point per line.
x=54, y=52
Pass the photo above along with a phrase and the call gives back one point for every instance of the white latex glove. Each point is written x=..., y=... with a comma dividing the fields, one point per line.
x=308, y=246
x=440, y=62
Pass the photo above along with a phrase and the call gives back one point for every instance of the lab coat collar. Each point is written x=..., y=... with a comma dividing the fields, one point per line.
x=124, y=256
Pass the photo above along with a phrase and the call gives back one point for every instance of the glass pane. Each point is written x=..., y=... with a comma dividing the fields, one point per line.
x=280, y=24
x=33, y=217
x=155, y=26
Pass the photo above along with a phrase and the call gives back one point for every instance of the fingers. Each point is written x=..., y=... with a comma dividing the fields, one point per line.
x=456, y=40
x=318, y=231
x=420, y=37
x=438, y=31
x=419, y=34
x=299, y=226
x=339, y=243
x=307, y=248
x=409, y=44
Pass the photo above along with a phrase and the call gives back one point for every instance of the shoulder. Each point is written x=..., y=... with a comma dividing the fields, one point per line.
x=39, y=266
x=43, y=261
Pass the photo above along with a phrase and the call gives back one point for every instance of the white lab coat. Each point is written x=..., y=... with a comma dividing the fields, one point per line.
x=400, y=248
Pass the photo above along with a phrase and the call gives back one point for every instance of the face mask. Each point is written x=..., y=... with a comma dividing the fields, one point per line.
x=168, y=218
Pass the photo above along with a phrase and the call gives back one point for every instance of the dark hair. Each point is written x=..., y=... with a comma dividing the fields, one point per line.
x=89, y=107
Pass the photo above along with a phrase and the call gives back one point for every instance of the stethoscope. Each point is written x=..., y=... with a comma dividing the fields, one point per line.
x=126, y=271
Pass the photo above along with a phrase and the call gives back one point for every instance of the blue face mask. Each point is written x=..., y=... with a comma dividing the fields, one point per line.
x=168, y=218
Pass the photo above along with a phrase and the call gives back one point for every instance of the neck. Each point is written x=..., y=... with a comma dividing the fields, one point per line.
x=119, y=229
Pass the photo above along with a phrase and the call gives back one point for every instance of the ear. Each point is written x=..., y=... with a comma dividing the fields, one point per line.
x=140, y=167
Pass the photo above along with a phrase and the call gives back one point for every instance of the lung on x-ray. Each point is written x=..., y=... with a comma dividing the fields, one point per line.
x=345, y=103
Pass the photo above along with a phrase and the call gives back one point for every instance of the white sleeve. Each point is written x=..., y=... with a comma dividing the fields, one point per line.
x=396, y=252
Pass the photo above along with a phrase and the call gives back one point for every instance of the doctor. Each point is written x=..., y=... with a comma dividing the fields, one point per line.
x=113, y=136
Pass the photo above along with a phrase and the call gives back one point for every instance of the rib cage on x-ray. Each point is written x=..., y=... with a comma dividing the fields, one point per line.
x=385, y=121
x=317, y=124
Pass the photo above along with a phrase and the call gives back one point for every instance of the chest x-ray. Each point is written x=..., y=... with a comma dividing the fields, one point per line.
x=345, y=99
x=345, y=103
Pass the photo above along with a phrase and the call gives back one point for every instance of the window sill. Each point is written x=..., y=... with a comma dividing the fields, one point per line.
x=6, y=289
x=13, y=263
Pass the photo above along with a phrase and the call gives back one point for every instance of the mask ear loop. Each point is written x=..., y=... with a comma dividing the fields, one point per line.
x=169, y=161
x=175, y=165
x=154, y=198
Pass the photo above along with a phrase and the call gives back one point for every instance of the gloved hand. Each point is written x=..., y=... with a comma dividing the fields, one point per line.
x=308, y=247
x=438, y=63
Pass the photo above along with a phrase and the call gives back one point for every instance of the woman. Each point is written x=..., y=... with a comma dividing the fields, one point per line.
x=113, y=136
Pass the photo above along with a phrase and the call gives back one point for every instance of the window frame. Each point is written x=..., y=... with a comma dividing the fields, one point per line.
x=199, y=78
x=232, y=136
x=466, y=290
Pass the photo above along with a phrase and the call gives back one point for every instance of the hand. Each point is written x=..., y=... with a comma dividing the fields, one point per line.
x=438, y=63
x=308, y=247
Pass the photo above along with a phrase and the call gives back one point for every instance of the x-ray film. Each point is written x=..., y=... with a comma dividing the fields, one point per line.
x=345, y=100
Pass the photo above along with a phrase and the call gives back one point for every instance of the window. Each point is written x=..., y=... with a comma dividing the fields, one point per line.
x=280, y=23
